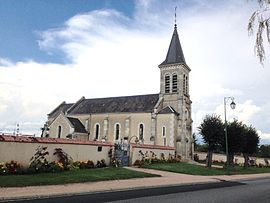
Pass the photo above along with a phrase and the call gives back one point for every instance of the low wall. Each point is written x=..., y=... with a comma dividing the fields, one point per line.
x=135, y=154
x=237, y=159
x=21, y=149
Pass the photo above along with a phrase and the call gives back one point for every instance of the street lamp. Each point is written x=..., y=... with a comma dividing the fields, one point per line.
x=226, y=135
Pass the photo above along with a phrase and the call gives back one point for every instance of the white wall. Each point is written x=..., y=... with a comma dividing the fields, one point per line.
x=22, y=152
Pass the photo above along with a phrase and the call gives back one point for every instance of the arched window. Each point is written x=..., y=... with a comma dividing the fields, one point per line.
x=117, y=131
x=86, y=124
x=59, y=131
x=141, y=131
x=167, y=83
x=97, y=131
x=164, y=135
x=163, y=131
x=184, y=84
x=174, y=83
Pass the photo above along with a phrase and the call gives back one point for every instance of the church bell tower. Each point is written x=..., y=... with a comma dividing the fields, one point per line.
x=174, y=91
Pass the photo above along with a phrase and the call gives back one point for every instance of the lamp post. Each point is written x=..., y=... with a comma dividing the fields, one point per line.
x=226, y=134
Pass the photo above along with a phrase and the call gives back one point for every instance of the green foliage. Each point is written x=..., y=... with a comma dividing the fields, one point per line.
x=55, y=167
x=264, y=151
x=195, y=141
x=260, y=19
x=250, y=140
x=12, y=167
x=63, y=158
x=115, y=162
x=77, y=176
x=192, y=169
x=212, y=131
x=151, y=158
x=235, y=132
x=84, y=164
x=39, y=162
x=101, y=164
x=201, y=148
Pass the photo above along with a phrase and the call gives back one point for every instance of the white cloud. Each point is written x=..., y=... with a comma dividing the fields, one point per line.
x=4, y=62
x=264, y=137
x=111, y=54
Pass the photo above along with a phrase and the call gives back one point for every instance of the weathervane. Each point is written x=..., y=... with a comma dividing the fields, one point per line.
x=175, y=15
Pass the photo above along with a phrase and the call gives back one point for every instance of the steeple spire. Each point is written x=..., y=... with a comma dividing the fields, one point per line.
x=175, y=53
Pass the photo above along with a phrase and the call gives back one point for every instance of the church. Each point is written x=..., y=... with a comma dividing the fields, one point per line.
x=162, y=119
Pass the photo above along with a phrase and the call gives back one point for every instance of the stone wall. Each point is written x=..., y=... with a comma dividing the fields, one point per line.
x=237, y=159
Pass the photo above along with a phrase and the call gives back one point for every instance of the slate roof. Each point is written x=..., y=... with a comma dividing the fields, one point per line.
x=139, y=103
x=78, y=126
x=175, y=53
x=168, y=109
x=63, y=107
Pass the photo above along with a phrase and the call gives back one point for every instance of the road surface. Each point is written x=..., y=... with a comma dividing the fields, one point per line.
x=242, y=191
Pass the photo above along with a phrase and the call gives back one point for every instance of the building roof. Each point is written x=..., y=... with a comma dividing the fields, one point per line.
x=175, y=53
x=167, y=110
x=63, y=107
x=78, y=126
x=139, y=103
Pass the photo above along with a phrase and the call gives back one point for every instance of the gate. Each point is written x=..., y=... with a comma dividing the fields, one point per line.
x=121, y=153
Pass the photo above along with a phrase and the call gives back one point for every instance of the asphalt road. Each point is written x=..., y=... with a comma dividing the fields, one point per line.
x=244, y=191
x=257, y=191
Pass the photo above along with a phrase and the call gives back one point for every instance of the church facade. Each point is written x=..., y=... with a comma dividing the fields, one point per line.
x=162, y=119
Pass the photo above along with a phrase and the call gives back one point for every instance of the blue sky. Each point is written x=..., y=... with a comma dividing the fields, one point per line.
x=22, y=20
x=54, y=50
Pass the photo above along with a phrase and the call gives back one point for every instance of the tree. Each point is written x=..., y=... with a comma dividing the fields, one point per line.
x=195, y=140
x=212, y=132
x=235, y=134
x=261, y=20
x=250, y=143
x=264, y=151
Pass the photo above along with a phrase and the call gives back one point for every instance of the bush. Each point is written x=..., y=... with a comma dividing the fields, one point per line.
x=63, y=158
x=115, y=162
x=56, y=167
x=84, y=164
x=39, y=163
x=13, y=167
x=101, y=164
x=3, y=169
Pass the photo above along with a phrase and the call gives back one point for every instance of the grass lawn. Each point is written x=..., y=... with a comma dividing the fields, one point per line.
x=192, y=169
x=75, y=176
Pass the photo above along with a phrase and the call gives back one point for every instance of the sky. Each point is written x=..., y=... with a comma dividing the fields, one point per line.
x=54, y=51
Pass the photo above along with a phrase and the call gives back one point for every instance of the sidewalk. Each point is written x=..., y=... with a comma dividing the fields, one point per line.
x=167, y=178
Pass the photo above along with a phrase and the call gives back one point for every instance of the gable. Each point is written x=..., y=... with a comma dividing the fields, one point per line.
x=63, y=107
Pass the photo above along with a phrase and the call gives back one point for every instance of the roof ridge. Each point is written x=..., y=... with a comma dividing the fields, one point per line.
x=75, y=104
x=57, y=107
x=122, y=96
